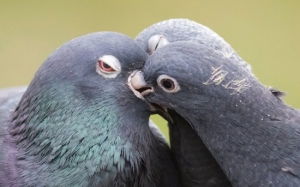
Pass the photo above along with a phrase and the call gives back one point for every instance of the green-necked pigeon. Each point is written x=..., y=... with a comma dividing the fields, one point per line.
x=78, y=123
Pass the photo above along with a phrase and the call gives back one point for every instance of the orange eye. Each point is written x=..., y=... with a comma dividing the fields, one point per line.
x=105, y=67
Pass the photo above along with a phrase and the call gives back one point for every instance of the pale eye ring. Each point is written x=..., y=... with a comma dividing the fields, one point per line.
x=168, y=84
x=156, y=42
x=108, y=66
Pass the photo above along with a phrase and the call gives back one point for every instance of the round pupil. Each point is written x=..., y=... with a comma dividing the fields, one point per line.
x=106, y=66
x=167, y=83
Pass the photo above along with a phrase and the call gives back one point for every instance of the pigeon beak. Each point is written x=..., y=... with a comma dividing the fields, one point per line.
x=137, y=84
x=139, y=87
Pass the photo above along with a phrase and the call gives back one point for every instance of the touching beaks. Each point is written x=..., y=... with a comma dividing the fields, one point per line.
x=137, y=84
x=139, y=87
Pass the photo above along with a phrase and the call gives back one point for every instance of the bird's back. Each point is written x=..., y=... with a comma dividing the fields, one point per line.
x=9, y=99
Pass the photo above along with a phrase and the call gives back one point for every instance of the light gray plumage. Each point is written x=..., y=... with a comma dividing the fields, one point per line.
x=252, y=133
x=9, y=98
x=197, y=165
x=77, y=127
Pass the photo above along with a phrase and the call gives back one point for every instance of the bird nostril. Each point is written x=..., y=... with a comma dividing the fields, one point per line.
x=145, y=90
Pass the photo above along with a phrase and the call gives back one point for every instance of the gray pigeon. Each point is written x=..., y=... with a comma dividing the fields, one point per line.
x=78, y=123
x=174, y=30
x=197, y=165
x=253, y=135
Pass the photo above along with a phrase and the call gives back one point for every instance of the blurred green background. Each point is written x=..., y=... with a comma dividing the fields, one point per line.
x=265, y=33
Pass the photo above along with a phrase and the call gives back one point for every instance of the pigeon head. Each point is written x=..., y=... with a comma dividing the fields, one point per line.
x=87, y=74
x=174, y=30
x=78, y=112
x=240, y=121
x=200, y=85
x=89, y=68
x=186, y=76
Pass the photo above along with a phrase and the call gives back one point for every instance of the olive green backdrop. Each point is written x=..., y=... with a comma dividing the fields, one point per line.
x=265, y=33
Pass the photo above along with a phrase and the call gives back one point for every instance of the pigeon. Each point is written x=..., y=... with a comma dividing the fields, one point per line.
x=196, y=164
x=174, y=30
x=79, y=124
x=253, y=135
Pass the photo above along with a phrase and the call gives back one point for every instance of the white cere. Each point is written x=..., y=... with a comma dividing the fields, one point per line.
x=137, y=80
x=156, y=42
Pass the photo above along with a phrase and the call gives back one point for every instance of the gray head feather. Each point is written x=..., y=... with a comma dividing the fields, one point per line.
x=174, y=30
